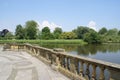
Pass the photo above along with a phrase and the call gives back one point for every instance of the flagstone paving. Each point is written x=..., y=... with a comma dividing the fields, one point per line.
x=20, y=65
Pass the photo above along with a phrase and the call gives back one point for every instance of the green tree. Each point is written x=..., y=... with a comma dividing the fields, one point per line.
x=20, y=32
x=46, y=34
x=57, y=32
x=112, y=32
x=102, y=31
x=9, y=35
x=31, y=29
x=92, y=37
x=81, y=31
x=68, y=35
x=119, y=33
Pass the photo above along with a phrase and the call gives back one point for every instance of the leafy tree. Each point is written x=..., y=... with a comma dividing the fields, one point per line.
x=111, y=36
x=119, y=33
x=112, y=32
x=20, y=32
x=31, y=29
x=80, y=31
x=46, y=34
x=92, y=37
x=9, y=35
x=102, y=31
x=38, y=34
x=46, y=30
x=57, y=32
x=68, y=35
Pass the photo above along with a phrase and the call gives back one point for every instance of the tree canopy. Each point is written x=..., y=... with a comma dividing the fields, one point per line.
x=102, y=31
x=46, y=34
x=68, y=35
x=57, y=32
x=19, y=32
x=31, y=29
x=80, y=31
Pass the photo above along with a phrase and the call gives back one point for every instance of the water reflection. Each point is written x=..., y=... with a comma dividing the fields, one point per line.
x=108, y=52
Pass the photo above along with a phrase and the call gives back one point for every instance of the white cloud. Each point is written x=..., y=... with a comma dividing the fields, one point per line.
x=45, y=23
x=92, y=24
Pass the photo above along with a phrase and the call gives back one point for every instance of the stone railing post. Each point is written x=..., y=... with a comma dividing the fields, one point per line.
x=61, y=60
x=72, y=65
x=87, y=71
x=81, y=68
x=94, y=72
x=67, y=63
x=102, y=77
x=57, y=60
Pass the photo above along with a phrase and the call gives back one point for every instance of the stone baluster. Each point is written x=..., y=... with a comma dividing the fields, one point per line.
x=25, y=47
x=41, y=52
x=61, y=60
x=77, y=66
x=37, y=52
x=57, y=61
x=47, y=56
x=87, y=72
x=94, y=72
x=110, y=75
x=66, y=62
x=31, y=50
x=81, y=68
x=55, y=56
x=52, y=58
x=72, y=65
x=102, y=77
x=34, y=51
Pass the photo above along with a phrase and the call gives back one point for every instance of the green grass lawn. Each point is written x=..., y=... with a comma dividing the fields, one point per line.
x=76, y=41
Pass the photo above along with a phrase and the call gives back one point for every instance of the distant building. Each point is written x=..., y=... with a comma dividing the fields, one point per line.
x=3, y=32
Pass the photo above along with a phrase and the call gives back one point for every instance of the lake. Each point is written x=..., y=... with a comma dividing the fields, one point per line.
x=108, y=52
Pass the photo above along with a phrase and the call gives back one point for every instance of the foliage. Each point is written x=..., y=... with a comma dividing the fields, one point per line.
x=46, y=34
x=112, y=32
x=57, y=32
x=80, y=31
x=81, y=42
x=20, y=32
x=102, y=31
x=92, y=37
x=119, y=33
x=111, y=36
x=9, y=36
x=68, y=35
x=31, y=29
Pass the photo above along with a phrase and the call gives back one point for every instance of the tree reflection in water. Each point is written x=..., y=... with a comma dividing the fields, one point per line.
x=98, y=51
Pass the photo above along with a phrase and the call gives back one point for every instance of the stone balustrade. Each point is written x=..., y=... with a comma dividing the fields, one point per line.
x=73, y=66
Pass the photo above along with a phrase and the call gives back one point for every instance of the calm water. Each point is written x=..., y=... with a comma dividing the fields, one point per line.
x=107, y=52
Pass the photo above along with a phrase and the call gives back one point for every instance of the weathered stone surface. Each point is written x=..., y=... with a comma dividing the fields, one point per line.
x=73, y=66
x=20, y=65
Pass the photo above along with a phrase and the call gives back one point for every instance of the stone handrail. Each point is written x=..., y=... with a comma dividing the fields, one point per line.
x=73, y=66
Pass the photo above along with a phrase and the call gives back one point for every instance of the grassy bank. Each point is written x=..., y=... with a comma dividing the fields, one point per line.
x=81, y=42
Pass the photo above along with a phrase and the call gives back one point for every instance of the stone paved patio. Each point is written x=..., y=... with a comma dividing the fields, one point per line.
x=16, y=65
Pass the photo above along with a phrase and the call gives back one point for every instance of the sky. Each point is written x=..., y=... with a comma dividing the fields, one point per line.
x=67, y=14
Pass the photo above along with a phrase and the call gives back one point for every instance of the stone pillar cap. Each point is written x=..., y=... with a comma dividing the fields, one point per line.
x=58, y=49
